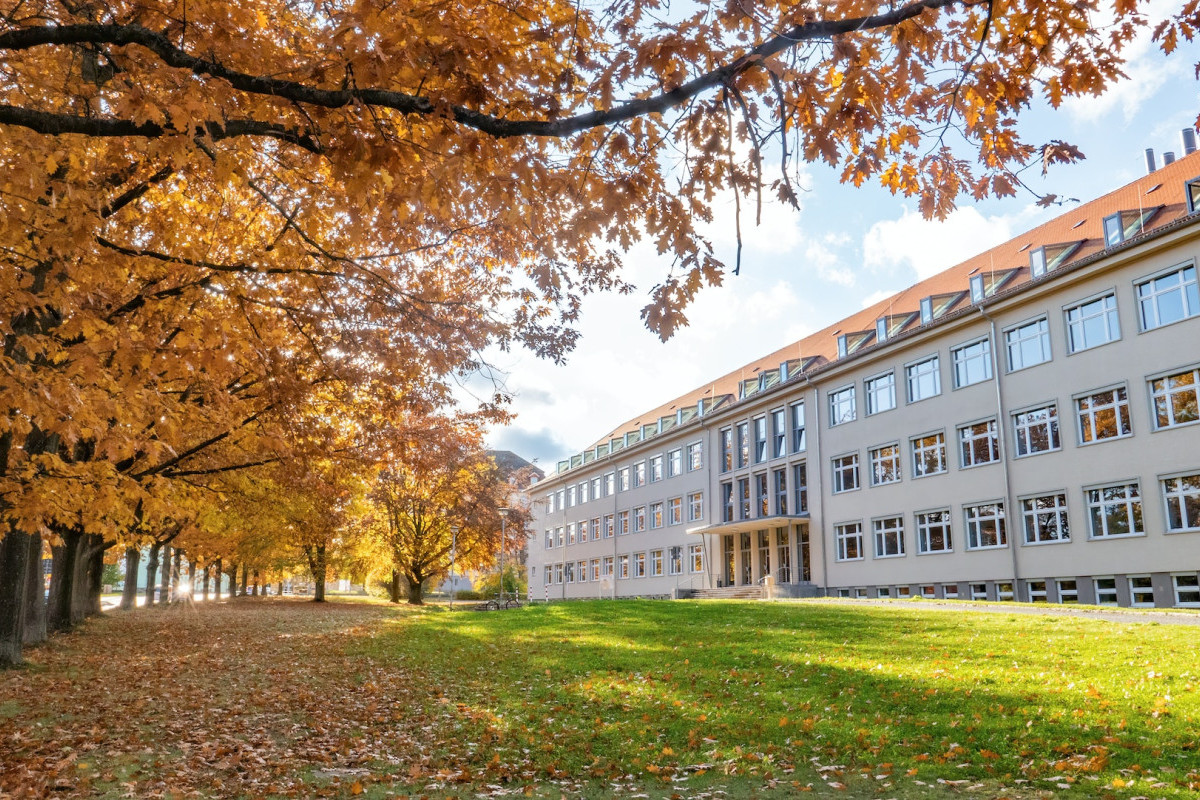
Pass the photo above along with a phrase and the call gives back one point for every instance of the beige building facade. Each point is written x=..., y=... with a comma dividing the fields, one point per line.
x=1023, y=426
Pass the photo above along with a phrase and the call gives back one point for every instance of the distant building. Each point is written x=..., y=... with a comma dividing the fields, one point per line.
x=1022, y=426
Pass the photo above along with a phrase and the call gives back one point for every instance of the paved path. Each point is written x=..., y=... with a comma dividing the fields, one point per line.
x=1149, y=615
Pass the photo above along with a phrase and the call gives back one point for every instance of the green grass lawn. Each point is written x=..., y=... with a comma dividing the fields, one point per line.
x=684, y=697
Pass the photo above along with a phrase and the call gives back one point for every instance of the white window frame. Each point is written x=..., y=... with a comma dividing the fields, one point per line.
x=639, y=519
x=845, y=534
x=725, y=446
x=639, y=473
x=973, y=524
x=1163, y=395
x=925, y=525
x=888, y=536
x=1103, y=593
x=1016, y=336
x=842, y=407
x=968, y=437
x=1178, y=490
x=1025, y=424
x=933, y=442
x=674, y=462
x=923, y=378
x=623, y=479
x=1067, y=596
x=779, y=432
x=843, y=466
x=1191, y=588
x=675, y=511
x=1147, y=296
x=762, y=439
x=961, y=360
x=656, y=518
x=695, y=456
x=657, y=565
x=638, y=565
x=606, y=566
x=1077, y=316
x=1045, y=519
x=880, y=386
x=696, y=558
x=695, y=506
x=1116, y=404
x=797, y=426
x=675, y=560
x=1097, y=504
x=879, y=461
x=1135, y=591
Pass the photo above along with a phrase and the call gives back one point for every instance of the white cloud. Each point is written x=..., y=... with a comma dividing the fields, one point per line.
x=929, y=246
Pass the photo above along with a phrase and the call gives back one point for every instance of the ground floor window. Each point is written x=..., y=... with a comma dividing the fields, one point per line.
x=849, y=541
x=889, y=537
x=979, y=591
x=1045, y=519
x=607, y=566
x=1004, y=591
x=950, y=591
x=1106, y=591
x=785, y=555
x=582, y=571
x=843, y=592
x=696, y=557
x=1068, y=591
x=558, y=573
x=656, y=562
x=622, y=567
x=727, y=557
x=1141, y=590
x=929, y=591
x=1037, y=591
x=884, y=591
x=747, y=567
x=1182, y=496
x=860, y=593
x=639, y=565
x=933, y=532
x=1187, y=589
x=675, y=561
x=595, y=569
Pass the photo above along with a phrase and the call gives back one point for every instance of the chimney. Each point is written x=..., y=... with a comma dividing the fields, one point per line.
x=1150, y=166
x=1188, y=137
x=1168, y=158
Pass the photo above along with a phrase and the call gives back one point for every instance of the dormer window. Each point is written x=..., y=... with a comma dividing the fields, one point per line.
x=1126, y=224
x=881, y=329
x=926, y=310
x=842, y=346
x=1037, y=262
x=1051, y=257
x=1192, y=190
x=976, y=288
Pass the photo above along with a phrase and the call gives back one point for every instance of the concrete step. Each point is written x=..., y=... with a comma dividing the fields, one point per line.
x=729, y=593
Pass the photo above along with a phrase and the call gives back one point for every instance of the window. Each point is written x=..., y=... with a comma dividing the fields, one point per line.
x=562, y=501
x=639, y=519
x=675, y=511
x=985, y=526
x=778, y=433
x=623, y=479
x=1175, y=398
x=841, y=406
x=639, y=565
x=695, y=506
x=797, y=414
x=779, y=477
x=972, y=363
x=1028, y=344
x=581, y=571
x=929, y=591
x=1045, y=519
x=1103, y=415
x=1004, y=592
x=675, y=561
x=849, y=541
x=596, y=485
x=762, y=498
x=595, y=569
x=800, y=488
x=743, y=444
x=883, y=591
x=889, y=537
x=1192, y=188
x=950, y=591
x=696, y=557
x=1036, y=430
x=639, y=474
x=924, y=379
x=606, y=566
x=583, y=492
x=608, y=526
x=743, y=489
x=656, y=563
x=1037, y=591
x=609, y=483
x=558, y=537
x=1182, y=496
x=594, y=527
x=1068, y=591
x=558, y=573
x=1187, y=589
x=845, y=473
x=695, y=456
x=656, y=469
x=880, y=392
x=569, y=572
x=622, y=523
x=1092, y=324
x=570, y=533
x=1106, y=591
x=929, y=454
x=550, y=503
x=1141, y=590
x=933, y=532
x=885, y=464
x=1114, y=511
x=547, y=574
x=760, y=440
x=656, y=515
x=1168, y=298
x=726, y=447
x=570, y=496
x=727, y=501
x=979, y=591
x=674, y=462
x=978, y=444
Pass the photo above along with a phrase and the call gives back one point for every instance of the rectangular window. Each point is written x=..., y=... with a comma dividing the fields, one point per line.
x=549, y=538
x=639, y=519
x=558, y=573
x=547, y=574
x=622, y=567
x=1103, y=415
x=675, y=561
x=1036, y=430
x=695, y=456
x=622, y=523
x=743, y=444
x=885, y=464
x=979, y=591
x=1092, y=324
x=985, y=526
x=929, y=454
x=880, y=392
x=950, y=591
x=1187, y=589
x=978, y=444
x=841, y=406
x=606, y=566
x=562, y=499
x=595, y=569
x=883, y=591
x=583, y=492
x=1045, y=519
x=656, y=469
x=674, y=462
x=1141, y=590
x=596, y=486
x=797, y=415
x=1168, y=298
x=1182, y=496
x=696, y=557
x=762, y=498
x=929, y=591
x=639, y=474
x=1004, y=592
x=1106, y=591
x=550, y=503
x=675, y=511
x=581, y=571
x=743, y=487
x=778, y=433
x=800, y=488
x=1068, y=591
x=639, y=565
x=849, y=541
x=845, y=473
x=656, y=563
x=569, y=572
x=760, y=440
x=1028, y=344
x=972, y=363
x=656, y=515
x=695, y=506
x=726, y=446
x=889, y=537
x=558, y=537
x=779, y=477
x=933, y=532
x=924, y=379
x=1175, y=398
x=1037, y=591
x=623, y=479
x=727, y=501
x=1114, y=511
x=570, y=533
x=594, y=528
x=608, y=526
x=609, y=484
x=570, y=497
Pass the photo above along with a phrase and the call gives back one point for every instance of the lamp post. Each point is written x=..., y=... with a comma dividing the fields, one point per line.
x=504, y=512
x=453, y=553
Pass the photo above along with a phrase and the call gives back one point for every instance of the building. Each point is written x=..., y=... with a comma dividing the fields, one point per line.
x=1021, y=426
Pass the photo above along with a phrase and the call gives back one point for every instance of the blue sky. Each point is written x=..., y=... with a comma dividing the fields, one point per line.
x=802, y=270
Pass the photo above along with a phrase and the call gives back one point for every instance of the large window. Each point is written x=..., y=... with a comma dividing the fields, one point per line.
x=841, y=406
x=889, y=537
x=1182, y=496
x=675, y=561
x=978, y=443
x=656, y=515
x=639, y=565
x=656, y=563
x=929, y=454
x=1114, y=511
x=656, y=469
x=639, y=519
x=778, y=433
x=845, y=473
x=743, y=488
x=849, y=541
x=760, y=440
x=639, y=474
x=800, y=488
x=985, y=526
x=743, y=444
x=674, y=462
x=675, y=511
x=607, y=526
x=933, y=532
x=1103, y=415
x=796, y=412
x=1175, y=398
x=695, y=456
x=695, y=506
x=1168, y=298
x=924, y=379
x=609, y=484
x=1045, y=519
x=779, y=481
x=885, y=464
x=1028, y=344
x=622, y=523
x=727, y=501
x=1093, y=323
x=1036, y=430
x=623, y=479
x=972, y=362
x=696, y=557
x=606, y=566
x=726, y=448
x=762, y=497
x=880, y=392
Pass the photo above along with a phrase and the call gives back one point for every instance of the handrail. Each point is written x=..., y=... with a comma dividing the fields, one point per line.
x=690, y=581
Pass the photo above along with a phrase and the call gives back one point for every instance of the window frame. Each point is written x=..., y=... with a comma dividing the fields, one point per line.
x=1053, y=429
x=883, y=535
x=838, y=485
x=1044, y=335
x=955, y=361
x=779, y=432
x=869, y=392
x=695, y=500
x=999, y=518
x=842, y=535
x=1145, y=280
x=920, y=376
x=1166, y=376
x=1116, y=405
x=915, y=449
x=1182, y=495
x=674, y=462
x=694, y=456
x=1111, y=317
x=994, y=446
x=922, y=526
x=1100, y=504
x=896, y=458
x=1032, y=537
x=674, y=510
x=850, y=407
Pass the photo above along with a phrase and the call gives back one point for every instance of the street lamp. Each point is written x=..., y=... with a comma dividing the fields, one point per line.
x=504, y=512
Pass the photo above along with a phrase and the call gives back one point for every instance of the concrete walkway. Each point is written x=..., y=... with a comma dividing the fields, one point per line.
x=1149, y=615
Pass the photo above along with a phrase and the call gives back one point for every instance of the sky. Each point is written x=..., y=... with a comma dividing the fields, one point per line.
x=801, y=270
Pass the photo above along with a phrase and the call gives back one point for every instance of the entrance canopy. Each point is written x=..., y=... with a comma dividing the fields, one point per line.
x=744, y=525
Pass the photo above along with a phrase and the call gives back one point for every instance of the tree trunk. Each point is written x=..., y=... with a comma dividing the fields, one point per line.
x=63, y=579
x=217, y=578
x=14, y=565
x=394, y=589
x=177, y=575
x=416, y=590
x=35, y=593
x=152, y=572
x=204, y=581
x=133, y=558
x=245, y=578
x=254, y=593
x=316, y=565
x=280, y=589
x=164, y=589
x=93, y=578
x=192, y=577
x=233, y=571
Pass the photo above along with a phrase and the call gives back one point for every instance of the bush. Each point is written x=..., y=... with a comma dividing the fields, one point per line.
x=467, y=594
x=515, y=584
